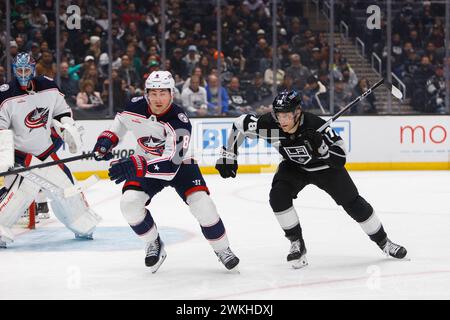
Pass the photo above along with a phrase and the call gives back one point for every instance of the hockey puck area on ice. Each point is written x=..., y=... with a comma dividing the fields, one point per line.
x=105, y=239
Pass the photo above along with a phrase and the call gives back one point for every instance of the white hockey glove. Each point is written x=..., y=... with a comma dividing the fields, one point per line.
x=70, y=132
x=6, y=150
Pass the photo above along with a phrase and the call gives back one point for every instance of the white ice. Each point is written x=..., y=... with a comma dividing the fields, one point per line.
x=47, y=263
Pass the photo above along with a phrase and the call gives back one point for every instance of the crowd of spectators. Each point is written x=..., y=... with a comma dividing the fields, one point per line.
x=243, y=82
x=418, y=51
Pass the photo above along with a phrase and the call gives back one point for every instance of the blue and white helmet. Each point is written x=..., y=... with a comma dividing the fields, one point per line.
x=24, y=68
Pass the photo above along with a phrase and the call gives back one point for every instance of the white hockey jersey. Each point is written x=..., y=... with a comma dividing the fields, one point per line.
x=163, y=140
x=30, y=114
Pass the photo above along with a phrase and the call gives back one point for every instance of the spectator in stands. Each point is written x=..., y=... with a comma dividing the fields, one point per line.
x=298, y=72
x=256, y=55
x=342, y=94
x=45, y=66
x=409, y=67
x=128, y=73
x=68, y=86
x=366, y=105
x=415, y=39
x=191, y=58
x=436, y=91
x=194, y=98
x=38, y=20
x=288, y=84
x=196, y=72
x=13, y=50
x=212, y=91
x=179, y=66
x=87, y=98
x=205, y=65
x=430, y=52
x=2, y=75
x=314, y=95
x=92, y=74
x=238, y=103
x=422, y=74
x=259, y=95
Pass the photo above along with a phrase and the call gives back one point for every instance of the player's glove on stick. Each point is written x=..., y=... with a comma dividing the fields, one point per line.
x=106, y=141
x=227, y=164
x=315, y=143
x=128, y=169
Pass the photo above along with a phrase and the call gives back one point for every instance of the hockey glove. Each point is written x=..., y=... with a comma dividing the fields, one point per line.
x=128, y=169
x=227, y=164
x=70, y=132
x=106, y=141
x=315, y=144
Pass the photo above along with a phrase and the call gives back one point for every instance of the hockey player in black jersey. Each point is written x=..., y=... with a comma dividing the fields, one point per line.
x=310, y=157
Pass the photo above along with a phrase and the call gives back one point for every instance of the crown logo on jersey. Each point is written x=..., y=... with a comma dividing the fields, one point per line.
x=37, y=118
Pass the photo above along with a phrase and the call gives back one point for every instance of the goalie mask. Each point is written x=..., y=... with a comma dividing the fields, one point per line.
x=24, y=68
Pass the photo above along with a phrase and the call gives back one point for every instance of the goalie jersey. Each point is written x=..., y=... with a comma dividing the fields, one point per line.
x=291, y=146
x=163, y=140
x=29, y=114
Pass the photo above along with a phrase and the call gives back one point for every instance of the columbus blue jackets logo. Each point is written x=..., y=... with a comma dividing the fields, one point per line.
x=152, y=145
x=37, y=118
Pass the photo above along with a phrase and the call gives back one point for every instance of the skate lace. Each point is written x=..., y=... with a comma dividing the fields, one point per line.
x=153, y=248
x=391, y=248
x=295, y=246
x=225, y=255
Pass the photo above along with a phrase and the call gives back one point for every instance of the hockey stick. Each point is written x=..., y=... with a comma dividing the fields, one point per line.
x=47, y=164
x=394, y=91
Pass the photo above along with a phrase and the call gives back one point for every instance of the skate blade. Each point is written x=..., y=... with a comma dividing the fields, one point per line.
x=234, y=270
x=299, y=263
x=160, y=261
x=84, y=237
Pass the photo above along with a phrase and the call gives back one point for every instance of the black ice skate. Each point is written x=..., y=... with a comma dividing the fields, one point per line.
x=42, y=210
x=2, y=244
x=297, y=254
x=155, y=254
x=393, y=250
x=228, y=258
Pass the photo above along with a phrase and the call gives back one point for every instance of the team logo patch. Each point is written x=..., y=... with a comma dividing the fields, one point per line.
x=37, y=118
x=4, y=87
x=136, y=99
x=152, y=145
x=183, y=117
x=298, y=154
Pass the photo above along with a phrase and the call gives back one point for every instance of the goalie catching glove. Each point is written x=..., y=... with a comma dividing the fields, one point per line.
x=70, y=132
x=128, y=169
x=227, y=164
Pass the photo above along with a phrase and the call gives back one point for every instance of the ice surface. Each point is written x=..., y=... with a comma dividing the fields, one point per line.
x=414, y=207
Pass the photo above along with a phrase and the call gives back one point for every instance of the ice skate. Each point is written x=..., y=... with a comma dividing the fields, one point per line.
x=393, y=250
x=297, y=254
x=42, y=211
x=2, y=244
x=228, y=258
x=89, y=236
x=155, y=254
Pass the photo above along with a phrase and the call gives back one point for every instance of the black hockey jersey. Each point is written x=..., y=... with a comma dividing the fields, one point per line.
x=291, y=146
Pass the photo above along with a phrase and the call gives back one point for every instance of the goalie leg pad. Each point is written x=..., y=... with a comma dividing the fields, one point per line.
x=75, y=214
x=14, y=200
x=204, y=210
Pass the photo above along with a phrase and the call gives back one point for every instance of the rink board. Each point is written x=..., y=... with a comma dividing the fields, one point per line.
x=372, y=143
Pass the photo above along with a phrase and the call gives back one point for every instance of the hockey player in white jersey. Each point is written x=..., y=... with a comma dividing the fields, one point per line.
x=33, y=107
x=162, y=131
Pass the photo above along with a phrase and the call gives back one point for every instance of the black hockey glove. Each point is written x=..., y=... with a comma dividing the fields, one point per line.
x=315, y=144
x=227, y=164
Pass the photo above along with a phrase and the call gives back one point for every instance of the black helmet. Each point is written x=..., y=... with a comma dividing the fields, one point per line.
x=287, y=101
